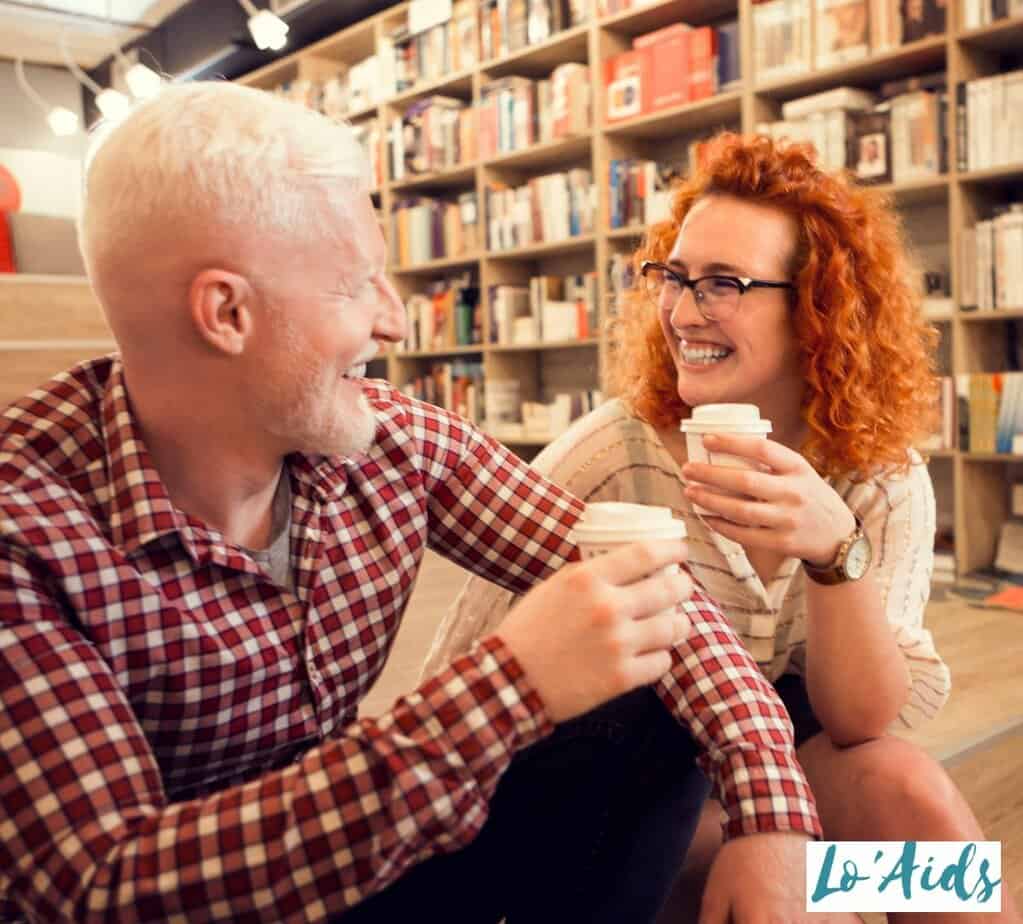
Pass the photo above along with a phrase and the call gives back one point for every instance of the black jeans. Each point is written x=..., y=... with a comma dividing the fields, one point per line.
x=589, y=825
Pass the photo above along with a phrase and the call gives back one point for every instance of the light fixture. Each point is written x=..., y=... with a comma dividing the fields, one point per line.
x=142, y=81
x=269, y=31
x=62, y=121
x=112, y=103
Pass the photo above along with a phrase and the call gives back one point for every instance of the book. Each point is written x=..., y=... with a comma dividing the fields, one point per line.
x=921, y=18
x=885, y=25
x=842, y=33
x=781, y=38
x=665, y=67
x=869, y=155
x=729, y=70
x=623, y=83
x=847, y=99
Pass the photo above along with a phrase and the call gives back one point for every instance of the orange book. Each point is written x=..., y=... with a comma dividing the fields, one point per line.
x=703, y=63
x=623, y=82
x=665, y=66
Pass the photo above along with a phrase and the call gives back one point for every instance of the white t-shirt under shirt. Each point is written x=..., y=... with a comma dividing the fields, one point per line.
x=611, y=456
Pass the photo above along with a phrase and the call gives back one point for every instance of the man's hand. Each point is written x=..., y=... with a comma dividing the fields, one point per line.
x=761, y=879
x=600, y=628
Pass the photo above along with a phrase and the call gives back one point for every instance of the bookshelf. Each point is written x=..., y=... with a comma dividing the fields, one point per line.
x=975, y=486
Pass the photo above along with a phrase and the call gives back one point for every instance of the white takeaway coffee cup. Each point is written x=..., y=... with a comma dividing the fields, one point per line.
x=738, y=419
x=608, y=525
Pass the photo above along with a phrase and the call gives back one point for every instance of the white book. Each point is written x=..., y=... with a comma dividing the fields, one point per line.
x=1014, y=110
x=842, y=33
x=985, y=293
x=968, y=268
x=1001, y=262
x=847, y=98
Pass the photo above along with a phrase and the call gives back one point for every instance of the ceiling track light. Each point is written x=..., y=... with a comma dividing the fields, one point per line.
x=113, y=104
x=62, y=121
x=269, y=31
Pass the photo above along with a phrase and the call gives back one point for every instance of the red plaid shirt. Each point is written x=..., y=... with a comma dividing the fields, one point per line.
x=178, y=735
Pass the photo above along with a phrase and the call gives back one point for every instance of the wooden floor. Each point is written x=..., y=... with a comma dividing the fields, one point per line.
x=978, y=735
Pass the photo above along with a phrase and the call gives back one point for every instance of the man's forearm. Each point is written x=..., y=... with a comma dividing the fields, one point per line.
x=746, y=747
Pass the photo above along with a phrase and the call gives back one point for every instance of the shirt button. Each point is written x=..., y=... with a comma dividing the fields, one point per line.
x=315, y=676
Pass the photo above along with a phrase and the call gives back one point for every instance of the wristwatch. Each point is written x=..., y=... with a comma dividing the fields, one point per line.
x=851, y=563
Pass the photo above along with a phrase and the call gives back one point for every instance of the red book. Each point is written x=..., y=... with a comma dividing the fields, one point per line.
x=665, y=67
x=703, y=63
x=623, y=81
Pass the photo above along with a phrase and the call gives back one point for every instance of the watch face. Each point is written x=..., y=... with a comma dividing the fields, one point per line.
x=857, y=559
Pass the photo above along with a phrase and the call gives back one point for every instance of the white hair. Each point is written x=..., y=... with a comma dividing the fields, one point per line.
x=219, y=152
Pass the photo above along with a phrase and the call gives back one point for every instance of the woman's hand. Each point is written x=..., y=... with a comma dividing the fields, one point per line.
x=784, y=505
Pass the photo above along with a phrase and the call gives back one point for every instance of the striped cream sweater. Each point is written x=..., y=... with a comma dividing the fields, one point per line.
x=610, y=455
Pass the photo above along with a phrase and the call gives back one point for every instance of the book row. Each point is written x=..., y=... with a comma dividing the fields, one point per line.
x=991, y=260
x=896, y=135
x=794, y=36
x=547, y=208
x=550, y=309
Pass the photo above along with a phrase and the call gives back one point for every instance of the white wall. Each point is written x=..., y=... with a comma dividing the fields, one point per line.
x=47, y=168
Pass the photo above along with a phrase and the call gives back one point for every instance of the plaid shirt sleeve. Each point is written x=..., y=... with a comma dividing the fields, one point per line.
x=89, y=835
x=501, y=519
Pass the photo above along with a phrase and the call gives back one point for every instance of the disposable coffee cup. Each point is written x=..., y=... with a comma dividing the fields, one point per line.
x=738, y=419
x=608, y=525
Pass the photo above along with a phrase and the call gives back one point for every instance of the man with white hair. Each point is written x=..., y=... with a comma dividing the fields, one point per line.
x=206, y=546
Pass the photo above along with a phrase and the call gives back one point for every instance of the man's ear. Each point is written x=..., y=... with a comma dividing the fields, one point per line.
x=220, y=303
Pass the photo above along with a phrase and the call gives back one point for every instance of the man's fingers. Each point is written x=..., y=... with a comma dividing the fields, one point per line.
x=648, y=668
x=636, y=560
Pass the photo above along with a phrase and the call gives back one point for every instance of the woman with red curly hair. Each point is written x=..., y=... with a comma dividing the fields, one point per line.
x=776, y=284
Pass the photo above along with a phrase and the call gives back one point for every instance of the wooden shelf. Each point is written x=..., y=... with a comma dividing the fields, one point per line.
x=452, y=178
x=549, y=249
x=938, y=453
x=927, y=54
x=692, y=117
x=543, y=345
x=998, y=315
x=1007, y=173
x=628, y=233
x=657, y=15
x=546, y=154
x=476, y=348
x=1001, y=35
x=540, y=59
x=459, y=85
x=989, y=457
x=435, y=266
x=956, y=199
x=926, y=191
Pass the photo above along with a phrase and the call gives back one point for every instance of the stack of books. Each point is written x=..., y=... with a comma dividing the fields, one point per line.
x=427, y=47
x=507, y=26
x=640, y=191
x=435, y=133
x=670, y=67
x=552, y=207
x=424, y=229
x=447, y=315
x=991, y=261
x=989, y=121
x=551, y=309
x=456, y=385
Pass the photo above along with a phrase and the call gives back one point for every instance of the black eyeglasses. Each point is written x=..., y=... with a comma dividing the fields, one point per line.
x=716, y=297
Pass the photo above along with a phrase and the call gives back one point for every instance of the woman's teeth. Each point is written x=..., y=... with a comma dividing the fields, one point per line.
x=704, y=356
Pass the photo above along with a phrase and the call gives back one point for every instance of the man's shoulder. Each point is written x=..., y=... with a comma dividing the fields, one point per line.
x=51, y=456
x=56, y=429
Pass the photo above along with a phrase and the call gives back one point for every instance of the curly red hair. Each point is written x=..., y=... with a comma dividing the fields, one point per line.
x=867, y=351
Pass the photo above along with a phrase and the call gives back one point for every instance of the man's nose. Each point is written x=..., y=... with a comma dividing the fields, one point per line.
x=391, y=320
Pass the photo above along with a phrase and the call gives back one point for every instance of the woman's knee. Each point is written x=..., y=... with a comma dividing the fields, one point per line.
x=898, y=787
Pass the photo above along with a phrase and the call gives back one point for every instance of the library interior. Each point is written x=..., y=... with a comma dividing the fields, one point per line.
x=512, y=251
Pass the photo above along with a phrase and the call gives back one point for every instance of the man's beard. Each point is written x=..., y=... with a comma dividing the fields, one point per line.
x=312, y=417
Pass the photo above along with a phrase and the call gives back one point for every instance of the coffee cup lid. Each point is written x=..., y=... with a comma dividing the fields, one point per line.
x=610, y=521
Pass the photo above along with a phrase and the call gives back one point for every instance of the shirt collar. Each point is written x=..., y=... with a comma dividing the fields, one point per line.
x=139, y=510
